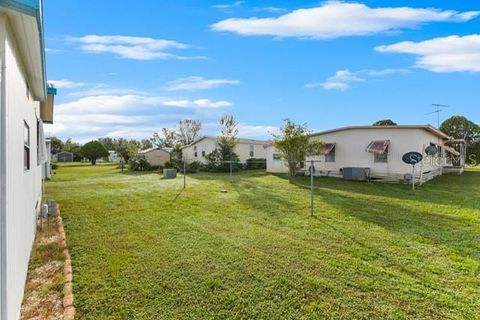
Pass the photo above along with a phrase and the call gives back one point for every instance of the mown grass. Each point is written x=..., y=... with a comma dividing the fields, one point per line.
x=143, y=248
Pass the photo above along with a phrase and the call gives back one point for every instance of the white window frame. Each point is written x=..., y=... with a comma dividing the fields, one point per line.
x=27, y=150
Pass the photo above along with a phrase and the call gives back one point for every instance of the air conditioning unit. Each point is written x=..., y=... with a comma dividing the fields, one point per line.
x=356, y=173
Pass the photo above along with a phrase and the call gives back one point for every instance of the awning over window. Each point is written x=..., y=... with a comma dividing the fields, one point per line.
x=328, y=148
x=451, y=150
x=46, y=107
x=378, y=146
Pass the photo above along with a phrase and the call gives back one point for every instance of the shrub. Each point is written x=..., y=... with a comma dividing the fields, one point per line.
x=194, y=167
x=139, y=164
x=215, y=162
x=171, y=164
x=256, y=163
x=54, y=166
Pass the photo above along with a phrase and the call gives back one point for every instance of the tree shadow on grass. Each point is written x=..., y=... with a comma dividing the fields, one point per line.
x=458, y=233
x=451, y=190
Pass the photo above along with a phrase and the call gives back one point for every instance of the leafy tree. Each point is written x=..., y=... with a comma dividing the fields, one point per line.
x=166, y=139
x=109, y=143
x=146, y=144
x=127, y=149
x=75, y=148
x=294, y=144
x=93, y=150
x=188, y=131
x=386, y=122
x=56, y=145
x=228, y=138
x=460, y=127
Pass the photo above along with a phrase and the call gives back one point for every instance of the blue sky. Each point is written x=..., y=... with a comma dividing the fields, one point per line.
x=130, y=68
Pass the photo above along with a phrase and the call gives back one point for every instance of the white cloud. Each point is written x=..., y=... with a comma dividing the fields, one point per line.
x=137, y=48
x=335, y=19
x=271, y=9
x=199, y=103
x=343, y=79
x=445, y=54
x=66, y=84
x=121, y=103
x=197, y=83
x=257, y=132
x=340, y=81
x=228, y=5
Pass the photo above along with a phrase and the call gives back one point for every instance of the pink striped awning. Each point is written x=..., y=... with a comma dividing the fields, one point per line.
x=378, y=146
x=328, y=148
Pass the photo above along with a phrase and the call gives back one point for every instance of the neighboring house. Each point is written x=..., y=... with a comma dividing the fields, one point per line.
x=25, y=101
x=380, y=149
x=112, y=156
x=155, y=156
x=245, y=149
x=65, y=156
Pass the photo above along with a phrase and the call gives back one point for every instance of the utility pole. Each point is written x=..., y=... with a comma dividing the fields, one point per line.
x=438, y=108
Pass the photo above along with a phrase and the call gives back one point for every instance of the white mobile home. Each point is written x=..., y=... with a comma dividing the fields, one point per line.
x=245, y=149
x=24, y=102
x=379, y=149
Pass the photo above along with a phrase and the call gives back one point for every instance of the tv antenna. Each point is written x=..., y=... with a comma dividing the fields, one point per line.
x=438, y=108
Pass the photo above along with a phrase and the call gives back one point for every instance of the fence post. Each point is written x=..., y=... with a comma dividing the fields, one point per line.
x=311, y=187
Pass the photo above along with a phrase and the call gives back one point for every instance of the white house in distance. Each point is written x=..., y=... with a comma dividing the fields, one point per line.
x=379, y=150
x=245, y=149
x=156, y=157
x=25, y=101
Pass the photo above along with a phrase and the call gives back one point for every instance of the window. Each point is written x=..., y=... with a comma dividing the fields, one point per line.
x=277, y=156
x=26, y=146
x=330, y=157
x=195, y=152
x=381, y=157
x=203, y=153
x=252, y=151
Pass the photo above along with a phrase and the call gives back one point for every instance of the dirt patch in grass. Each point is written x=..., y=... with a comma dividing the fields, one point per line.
x=45, y=280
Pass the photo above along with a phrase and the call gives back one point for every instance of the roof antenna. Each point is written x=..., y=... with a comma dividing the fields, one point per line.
x=439, y=108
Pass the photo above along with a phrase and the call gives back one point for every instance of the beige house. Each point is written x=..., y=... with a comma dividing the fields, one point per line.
x=245, y=149
x=155, y=156
x=379, y=151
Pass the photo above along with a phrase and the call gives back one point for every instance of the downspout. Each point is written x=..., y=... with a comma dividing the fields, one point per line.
x=3, y=186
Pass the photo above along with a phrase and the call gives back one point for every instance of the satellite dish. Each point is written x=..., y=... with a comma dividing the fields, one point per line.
x=431, y=150
x=412, y=158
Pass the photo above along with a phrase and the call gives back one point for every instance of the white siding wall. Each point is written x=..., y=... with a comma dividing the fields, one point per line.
x=23, y=188
x=209, y=144
x=350, y=150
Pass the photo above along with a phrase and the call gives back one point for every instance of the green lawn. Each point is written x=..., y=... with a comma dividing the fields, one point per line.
x=144, y=249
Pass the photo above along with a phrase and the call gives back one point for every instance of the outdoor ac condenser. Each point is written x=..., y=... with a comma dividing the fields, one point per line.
x=356, y=173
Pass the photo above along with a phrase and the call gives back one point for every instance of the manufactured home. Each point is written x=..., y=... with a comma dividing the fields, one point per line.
x=378, y=152
x=65, y=156
x=25, y=104
x=245, y=149
x=156, y=157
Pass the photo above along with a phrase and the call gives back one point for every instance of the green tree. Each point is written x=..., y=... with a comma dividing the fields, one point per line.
x=75, y=148
x=188, y=131
x=386, y=122
x=295, y=144
x=460, y=127
x=228, y=138
x=93, y=150
x=127, y=149
x=56, y=145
